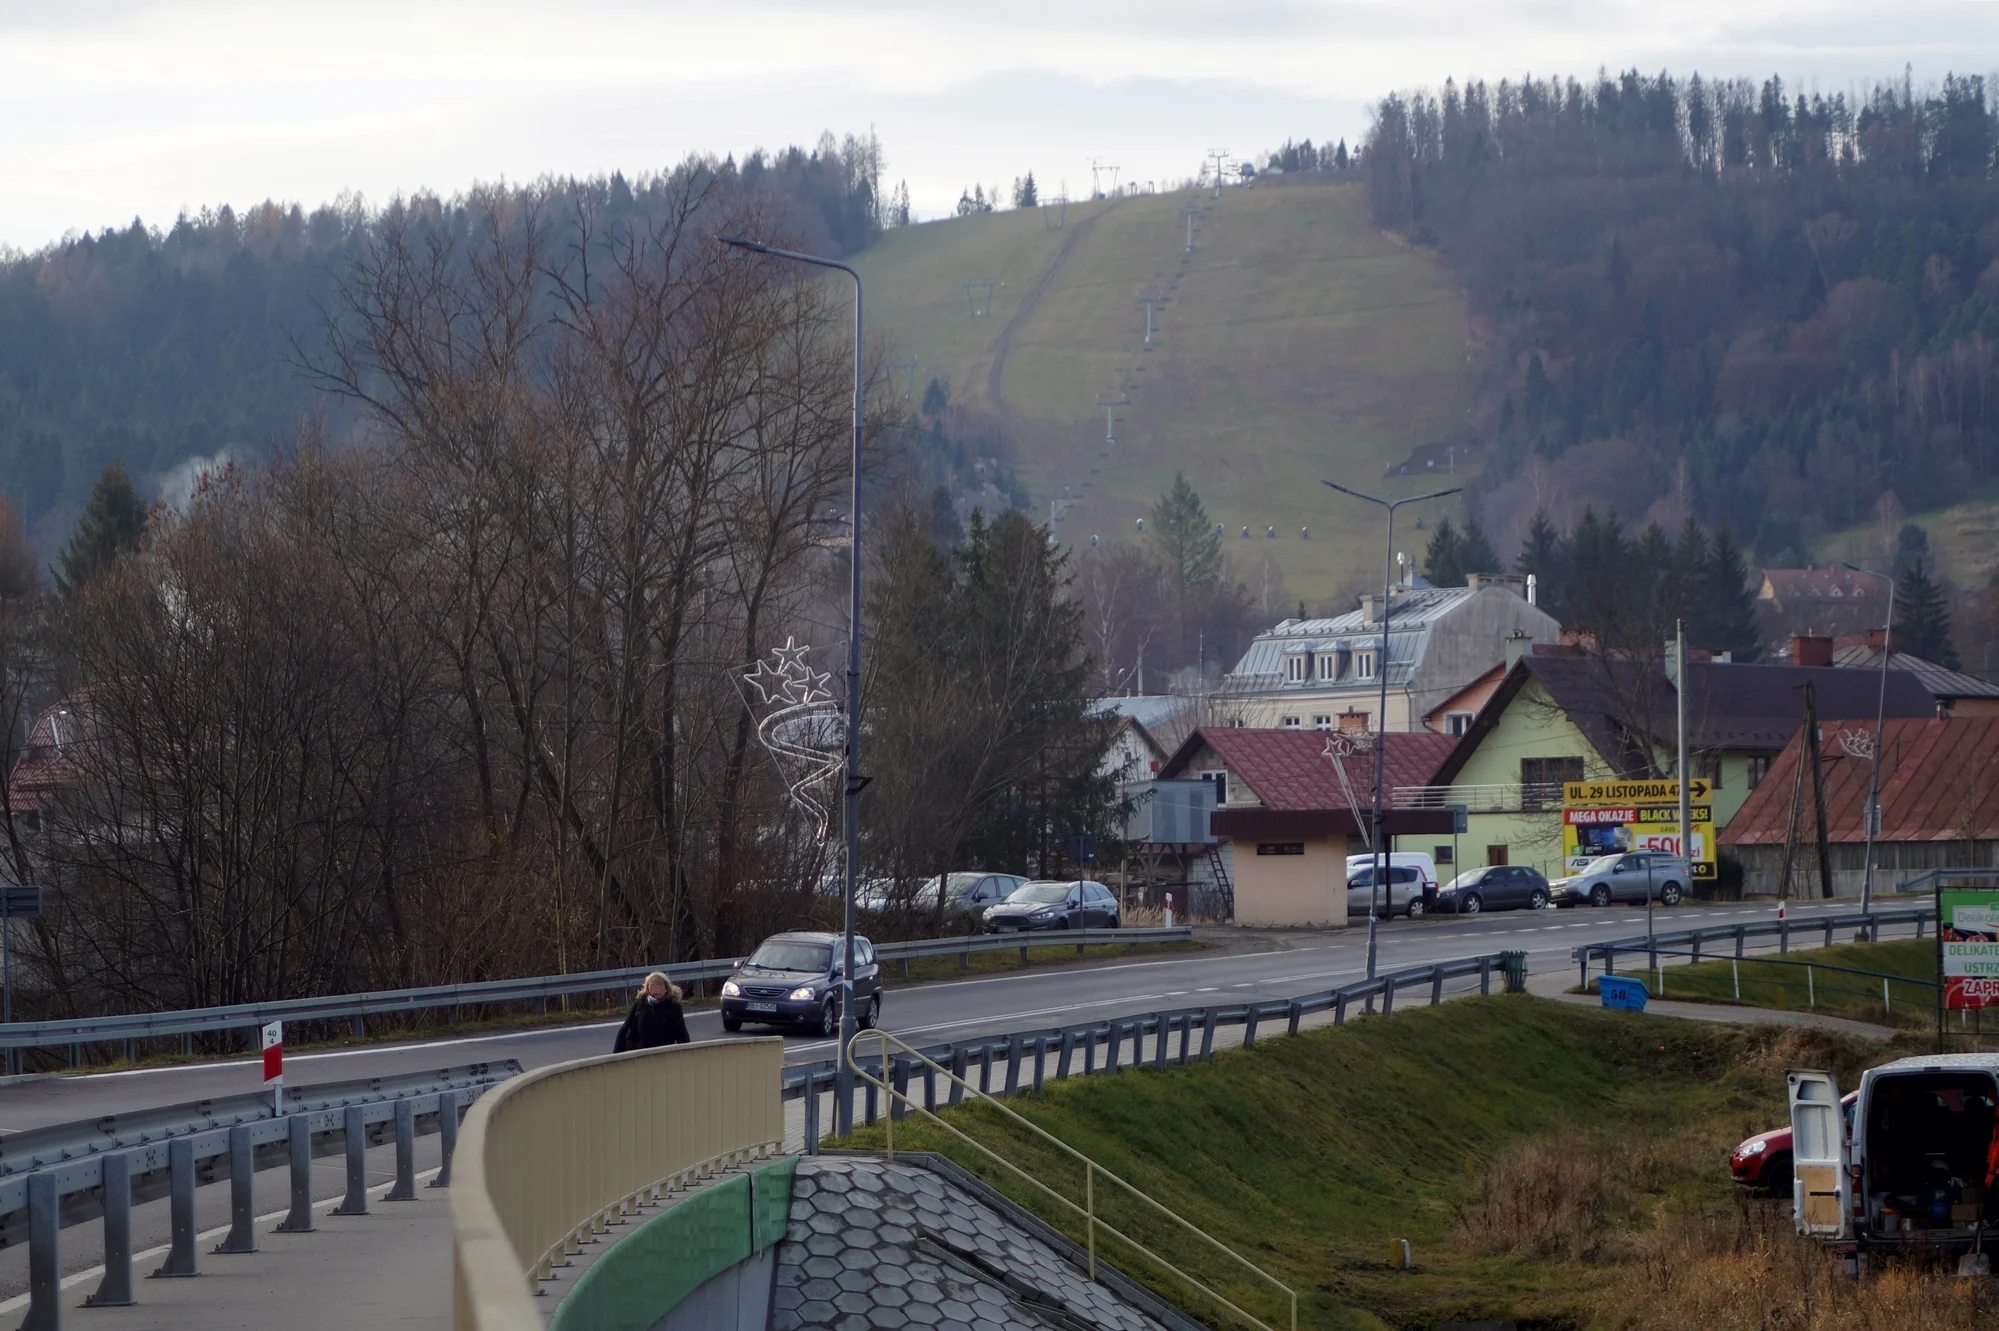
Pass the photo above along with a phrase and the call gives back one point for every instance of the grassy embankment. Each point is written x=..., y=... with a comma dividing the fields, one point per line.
x=1551, y=1165
x=1297, y=342
x=1964, y=540
x=1782, y=982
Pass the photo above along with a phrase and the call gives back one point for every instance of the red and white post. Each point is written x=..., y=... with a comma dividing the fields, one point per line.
x=274, y=1065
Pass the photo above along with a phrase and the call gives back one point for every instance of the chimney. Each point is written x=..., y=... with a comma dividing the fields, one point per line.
x=1518, y=644
x=1875, y=636
x=1367, y=601
x=1533, y=585
x=1810, y=651
x=1353, y=722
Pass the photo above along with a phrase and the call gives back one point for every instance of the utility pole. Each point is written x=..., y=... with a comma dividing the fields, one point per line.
x=1873, y=812
x=1818, y=789
x=1219, y=155
x=1680, y=692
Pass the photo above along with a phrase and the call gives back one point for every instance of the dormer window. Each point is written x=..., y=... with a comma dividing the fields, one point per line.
x=1363, y=665
x=1298, y=667
x=1329, y=667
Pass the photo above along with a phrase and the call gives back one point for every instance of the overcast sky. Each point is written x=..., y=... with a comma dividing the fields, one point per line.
x=148, y=107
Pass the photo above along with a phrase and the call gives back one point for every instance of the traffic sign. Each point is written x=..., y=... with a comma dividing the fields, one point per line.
x=1631, y=792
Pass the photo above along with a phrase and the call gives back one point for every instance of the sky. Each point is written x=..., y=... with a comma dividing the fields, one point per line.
x=148, y=108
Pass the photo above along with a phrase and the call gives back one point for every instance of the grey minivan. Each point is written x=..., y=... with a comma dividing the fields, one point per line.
x=1625, y=877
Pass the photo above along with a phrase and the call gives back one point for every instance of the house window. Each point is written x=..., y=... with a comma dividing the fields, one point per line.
x=1220, y=778
x=1444, y=854
x=1541, y=780
x=1495, y=855
x=1297, y=667
x=1758, y=767
x=1363, y=665
x=1329, y=666
x=1280, y=848
x=1291, y=723
x=1323, y=721
x=1457, y=723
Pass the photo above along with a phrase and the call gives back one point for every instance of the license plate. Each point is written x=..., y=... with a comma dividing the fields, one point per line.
x=759, y=1007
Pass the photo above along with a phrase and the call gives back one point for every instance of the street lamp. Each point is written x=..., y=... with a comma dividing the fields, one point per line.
x=843, y=1076
x=1872, y=814
x=1381, y=713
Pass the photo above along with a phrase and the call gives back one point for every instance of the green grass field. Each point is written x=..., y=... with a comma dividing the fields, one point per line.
x=1521, y=1145
x=1783, y=982
x=1964, y=539
x=1295, y=343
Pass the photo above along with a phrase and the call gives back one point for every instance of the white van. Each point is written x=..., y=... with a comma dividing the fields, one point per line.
x=1412, y=881
x=1916, y=1166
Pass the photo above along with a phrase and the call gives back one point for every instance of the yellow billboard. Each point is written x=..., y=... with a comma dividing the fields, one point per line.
x=1610, y=817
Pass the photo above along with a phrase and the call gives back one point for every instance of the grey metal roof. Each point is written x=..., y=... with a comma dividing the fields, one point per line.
x=1941, y=681
x=1412, y=615
x=1152, y=710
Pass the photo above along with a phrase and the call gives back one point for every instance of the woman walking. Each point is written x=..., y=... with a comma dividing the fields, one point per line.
x=655, y=1018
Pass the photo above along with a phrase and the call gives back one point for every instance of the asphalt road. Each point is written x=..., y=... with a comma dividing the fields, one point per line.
x=1290, y=963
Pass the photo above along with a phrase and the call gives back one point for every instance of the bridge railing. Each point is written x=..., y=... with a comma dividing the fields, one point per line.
x=249, y=1018
x=553, y=1157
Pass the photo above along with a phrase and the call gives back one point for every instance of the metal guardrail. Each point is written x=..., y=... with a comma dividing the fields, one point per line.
x=249, y=1017
x=1694, y=940
x=1033, y=1048
x=557, y=1156
x=71, y=1173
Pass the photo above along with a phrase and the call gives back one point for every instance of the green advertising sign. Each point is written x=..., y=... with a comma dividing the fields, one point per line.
x=1968, y=946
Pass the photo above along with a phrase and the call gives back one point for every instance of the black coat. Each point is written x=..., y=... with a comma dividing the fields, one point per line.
x=649, y=1025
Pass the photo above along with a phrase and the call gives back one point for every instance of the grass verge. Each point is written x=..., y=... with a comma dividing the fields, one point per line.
x=1541, y=1158
x=1782, y=982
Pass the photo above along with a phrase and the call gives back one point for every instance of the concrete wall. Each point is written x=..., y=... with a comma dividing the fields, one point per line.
x=736, y=1300
x=1307, y=889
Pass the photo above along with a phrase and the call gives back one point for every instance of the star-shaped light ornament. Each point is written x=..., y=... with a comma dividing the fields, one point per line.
x=771, y=685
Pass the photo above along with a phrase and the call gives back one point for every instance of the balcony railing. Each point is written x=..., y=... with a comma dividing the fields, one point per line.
x=1505, y=797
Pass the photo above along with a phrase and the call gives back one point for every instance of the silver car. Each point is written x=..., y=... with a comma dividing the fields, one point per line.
x=1405, y=895
x=1626, y=877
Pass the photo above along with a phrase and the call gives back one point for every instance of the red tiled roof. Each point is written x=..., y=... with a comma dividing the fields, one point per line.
x=1822, y=584
x=48, y=762
x=1939, y=782
x=1289, y=769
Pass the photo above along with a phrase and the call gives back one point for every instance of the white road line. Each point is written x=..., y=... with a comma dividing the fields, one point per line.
x=20, y=1301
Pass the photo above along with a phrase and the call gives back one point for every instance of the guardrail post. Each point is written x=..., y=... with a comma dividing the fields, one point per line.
x=299, y=1220
x=1090, y=1052
x=180, y=1174
x=1783, y=935
x=1062, y=1060
x=1186, y=1037
x=1485, y=973
x=1208, y=1035
x=44, y=1258
x=1163, y=1028
x=1609, y=960
x=1115, y=1038
x=1040, y=1060
x=1387, y=995
x=1741, y=937
x=1697, y=946
x=1297, y=1012
x=1828, y=932
x=405, y=1189
x=811, y=1115
x=447, y=1136
x=958, y=1067
x=900, y=1081
x=1339, y=1007
x=115, y=1290
x=1920, y=922
x=929, y=1087
x=870, y=1110
x=1249, y=1017
x=1436, y=986
x=1013, y=1065
x=242, y=1235
x=356, y=1132
x=1023, y=956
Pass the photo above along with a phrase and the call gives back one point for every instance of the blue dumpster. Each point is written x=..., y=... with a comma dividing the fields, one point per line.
x=1623, y=993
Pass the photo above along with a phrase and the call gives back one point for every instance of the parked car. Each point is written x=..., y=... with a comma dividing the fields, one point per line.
x=1763, y=1162
x=1411, y=859
x=962, y=892
x=1494, y=887
x=794, y=980
x=1053, y=905
x=1407, y=893
x=1625, y=877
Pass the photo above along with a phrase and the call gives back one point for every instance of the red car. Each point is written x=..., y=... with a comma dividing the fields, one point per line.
x=1764, y=1161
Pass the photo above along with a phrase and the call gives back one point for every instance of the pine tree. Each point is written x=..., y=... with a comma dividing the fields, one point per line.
x=1727, y=596
x=1025, y=194
x=1922, y=617
x=1543, y=558
x=1440, y=562
x=1475, y=552
x=1183, y=540
x=1689, y=566
x=112, y=524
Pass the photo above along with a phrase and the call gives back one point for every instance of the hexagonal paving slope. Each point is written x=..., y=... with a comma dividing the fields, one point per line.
x=877, y=1246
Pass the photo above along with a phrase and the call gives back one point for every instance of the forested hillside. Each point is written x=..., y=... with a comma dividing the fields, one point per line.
x=153, y=346
x=1760, y=307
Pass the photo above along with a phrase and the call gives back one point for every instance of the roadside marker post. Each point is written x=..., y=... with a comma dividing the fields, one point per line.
x=274, y=1065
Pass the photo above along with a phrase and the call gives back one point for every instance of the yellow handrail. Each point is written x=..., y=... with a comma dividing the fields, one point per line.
x=1088, y=1210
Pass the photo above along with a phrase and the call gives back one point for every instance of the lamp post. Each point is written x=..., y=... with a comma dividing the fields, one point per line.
x=843, y=1076
x=1872, y=814
x=1381, y=712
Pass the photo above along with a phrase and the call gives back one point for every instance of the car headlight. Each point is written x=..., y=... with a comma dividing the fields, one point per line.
x=1757, y=1148
x=803, y=992
x=1043, y=913
x=730, y=989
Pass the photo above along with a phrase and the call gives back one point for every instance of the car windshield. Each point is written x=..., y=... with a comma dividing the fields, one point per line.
x=1041, y=894
x=1602, y=862
x=1467, y=878
x=790, y=954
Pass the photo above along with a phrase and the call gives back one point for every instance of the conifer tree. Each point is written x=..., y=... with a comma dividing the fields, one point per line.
x=1729, y=598
x=1440, y=562
x=1475, y=552
x=112, y=524
x=1922, y=617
